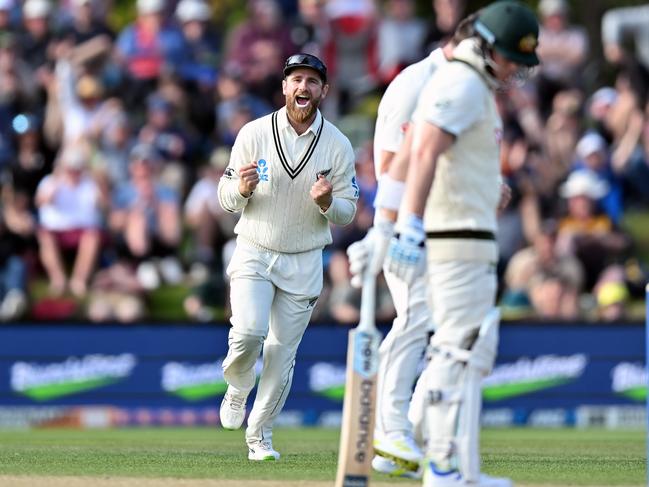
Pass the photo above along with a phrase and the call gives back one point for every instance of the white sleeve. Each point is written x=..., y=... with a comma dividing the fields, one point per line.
x=345, y=189
x=450, y=103
x=230, y=198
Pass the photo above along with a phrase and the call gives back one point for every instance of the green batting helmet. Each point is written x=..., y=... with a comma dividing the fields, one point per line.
x=512, y=29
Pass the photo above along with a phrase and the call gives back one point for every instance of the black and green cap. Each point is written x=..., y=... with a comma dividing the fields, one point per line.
x=512, y=29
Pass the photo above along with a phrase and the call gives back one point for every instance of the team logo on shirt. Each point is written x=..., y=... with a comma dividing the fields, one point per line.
x=357, y=190
x=262, y=169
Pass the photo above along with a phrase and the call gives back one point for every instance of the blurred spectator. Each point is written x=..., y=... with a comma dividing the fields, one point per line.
x=611, y=294
x=83, y=109
x=37, y=33
x=593, y=154
x=210, y=228
x=584, y=232
x=562, y=131
x=163, y=132
x=563, y=48
x=145, y=220
x=114, y=148
x=17, y=238
x=30, y=163
x=116, y=295
x=631, y=160
x=69, y=205
x=85, y=24
x=598, y=110
x=258, y=46
x=236, y=106
x=310, y=27
x=541, y=282
x=147, y=49
x=619, y=24
x=19, y=90
x=401, y=38
x=202, y=40
x=447, y=15
x=201, y=66
x=6, y=10
x=351, y=53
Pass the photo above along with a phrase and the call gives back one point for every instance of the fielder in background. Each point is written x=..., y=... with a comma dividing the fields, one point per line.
x=447, y=225
x=395, y=445
x=291, y=173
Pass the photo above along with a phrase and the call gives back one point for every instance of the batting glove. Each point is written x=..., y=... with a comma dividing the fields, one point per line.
x=407, y=253
x=368, y=254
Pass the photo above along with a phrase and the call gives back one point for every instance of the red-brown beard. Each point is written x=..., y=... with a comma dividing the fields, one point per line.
x=301, y=115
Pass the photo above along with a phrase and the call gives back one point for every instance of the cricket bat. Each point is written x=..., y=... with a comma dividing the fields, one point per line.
x=357, y=431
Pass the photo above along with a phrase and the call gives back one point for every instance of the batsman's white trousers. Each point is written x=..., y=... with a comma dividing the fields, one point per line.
x=272, y=296
x=461, y=295
x=401, y=353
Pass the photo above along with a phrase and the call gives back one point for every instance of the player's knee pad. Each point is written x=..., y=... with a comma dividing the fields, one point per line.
x=454, y=397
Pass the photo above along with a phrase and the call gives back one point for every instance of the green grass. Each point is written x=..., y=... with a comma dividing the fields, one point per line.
x=529, y=456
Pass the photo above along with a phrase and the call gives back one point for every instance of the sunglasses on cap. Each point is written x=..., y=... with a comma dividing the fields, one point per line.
x=305, y=61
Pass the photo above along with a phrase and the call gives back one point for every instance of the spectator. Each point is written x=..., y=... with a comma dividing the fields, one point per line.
x=6, y=10
x=593, y=154
x=85, y=24
x=447, y=15
x=202, y=41
x=584, y=232
x=37, y=33
x=537, y=278
x=258, y=47
x=310, y=28
x=69, y=205
x=563, y=48
x=631, y=160
x=17, y=235
x=351, y=53
x=116, y=295
x=145, y=220
x=147, y=49
x=163, y=132
x=401, y=38
x=618, y=24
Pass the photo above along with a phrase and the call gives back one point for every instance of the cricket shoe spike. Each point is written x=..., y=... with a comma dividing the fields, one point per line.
x=453, y=478
x=399, y=447
x=388, y=467
x=262, y=451
x=233, y=410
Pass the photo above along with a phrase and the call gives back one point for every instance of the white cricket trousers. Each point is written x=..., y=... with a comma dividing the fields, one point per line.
x=272, y=296
x=401, y=353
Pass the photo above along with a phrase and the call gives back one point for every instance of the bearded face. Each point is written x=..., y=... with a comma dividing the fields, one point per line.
x=302, y=107
x=304, y=91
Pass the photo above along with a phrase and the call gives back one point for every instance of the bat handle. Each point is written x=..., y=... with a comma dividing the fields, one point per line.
x=368, y=303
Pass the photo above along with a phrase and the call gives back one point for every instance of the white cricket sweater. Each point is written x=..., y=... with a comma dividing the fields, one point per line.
x=281, y=215
x=459, y=99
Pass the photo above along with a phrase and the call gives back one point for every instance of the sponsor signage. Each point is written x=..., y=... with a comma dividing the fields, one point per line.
x=543, y=374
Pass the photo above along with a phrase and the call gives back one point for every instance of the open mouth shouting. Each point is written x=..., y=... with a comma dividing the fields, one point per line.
x=302, y=101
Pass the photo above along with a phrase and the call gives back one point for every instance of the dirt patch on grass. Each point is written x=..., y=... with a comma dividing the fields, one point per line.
x=31, y=481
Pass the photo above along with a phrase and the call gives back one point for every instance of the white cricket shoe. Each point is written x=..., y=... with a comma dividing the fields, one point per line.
x=399, y=447
x=262, y=451
x=233, y=410
x=383, y=465
x=453, y=478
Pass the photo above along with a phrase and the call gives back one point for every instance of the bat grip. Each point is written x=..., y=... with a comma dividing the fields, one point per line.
x=368, y=303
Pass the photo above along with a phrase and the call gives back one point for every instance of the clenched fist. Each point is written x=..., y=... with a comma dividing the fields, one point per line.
x=248, y=179
x=321, y=193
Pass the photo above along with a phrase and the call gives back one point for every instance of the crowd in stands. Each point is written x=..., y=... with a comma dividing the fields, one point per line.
x=113, y=139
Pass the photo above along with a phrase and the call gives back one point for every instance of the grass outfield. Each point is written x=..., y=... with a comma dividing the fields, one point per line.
x=529, y=456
